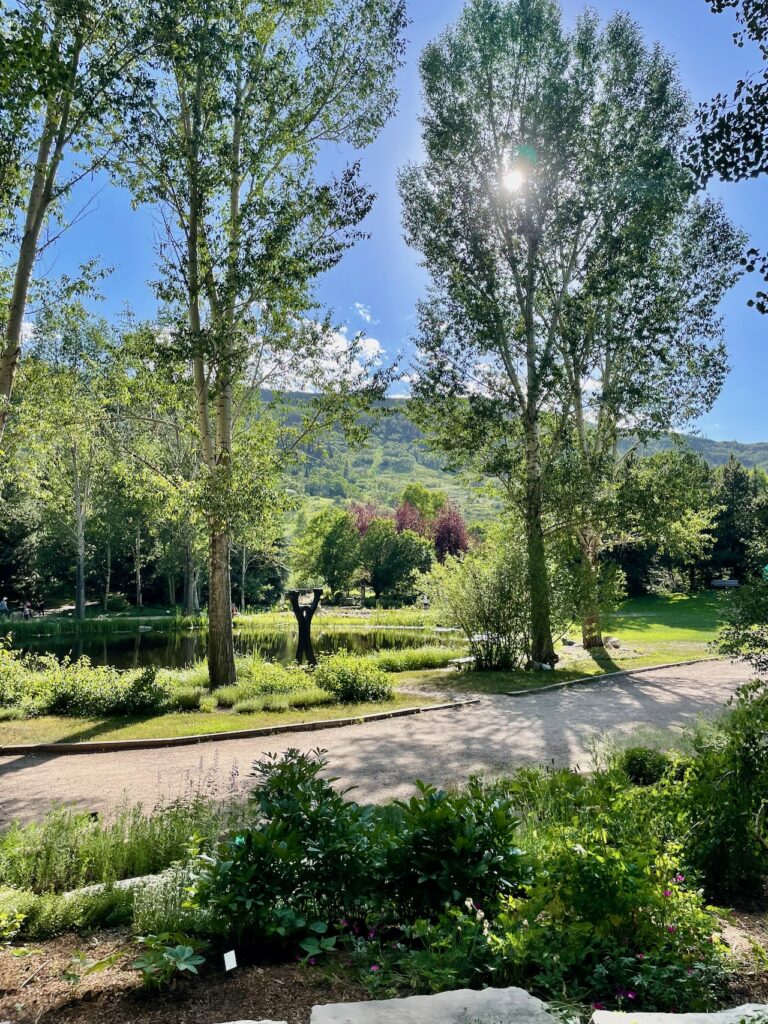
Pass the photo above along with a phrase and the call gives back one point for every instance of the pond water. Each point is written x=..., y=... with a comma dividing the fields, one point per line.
x=179, y=650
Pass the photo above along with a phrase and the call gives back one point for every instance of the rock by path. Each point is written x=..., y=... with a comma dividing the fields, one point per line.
x=382, y=759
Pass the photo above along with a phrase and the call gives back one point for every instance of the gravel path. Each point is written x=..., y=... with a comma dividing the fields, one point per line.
x=383, y=758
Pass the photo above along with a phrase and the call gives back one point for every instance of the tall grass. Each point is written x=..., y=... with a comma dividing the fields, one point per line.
x=70, y=849
x=410, y=659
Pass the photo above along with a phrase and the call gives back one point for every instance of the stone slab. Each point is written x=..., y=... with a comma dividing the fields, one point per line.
x=491, y=1006
x=255, y=1022
x=749, y=1010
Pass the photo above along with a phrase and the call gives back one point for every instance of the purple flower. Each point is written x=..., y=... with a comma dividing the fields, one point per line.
x=641, y=956
x=312, y=961
x=679, y=878
x=671, y=928
x=372, y=933
x=344, y=922
x=667, y=892
x=598, y=1006
x=631, y=994
x=374, y=968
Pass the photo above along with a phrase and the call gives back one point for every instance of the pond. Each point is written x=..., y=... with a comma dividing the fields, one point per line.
x=179, y=650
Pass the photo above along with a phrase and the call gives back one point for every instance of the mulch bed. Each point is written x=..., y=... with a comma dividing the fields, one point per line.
x=33, y=991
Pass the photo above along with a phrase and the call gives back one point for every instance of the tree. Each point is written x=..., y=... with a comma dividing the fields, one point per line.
x=70, y=70
x=426, y=501
x=63, y=424
x=408, y=517
x=390, y=559
x=552, y=172
x=329, y=549
x=731, y=137
x=246, y=95
x=450, y=533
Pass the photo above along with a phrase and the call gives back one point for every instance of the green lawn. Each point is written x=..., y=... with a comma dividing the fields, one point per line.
x=654, y=630
x=58, y=729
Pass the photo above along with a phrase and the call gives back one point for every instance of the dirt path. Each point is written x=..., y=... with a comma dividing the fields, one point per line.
x=383, y=758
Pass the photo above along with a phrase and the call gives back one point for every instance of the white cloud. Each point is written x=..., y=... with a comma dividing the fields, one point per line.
x=364, y=312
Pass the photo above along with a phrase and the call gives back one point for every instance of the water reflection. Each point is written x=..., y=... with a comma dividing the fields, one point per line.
x=179, y=650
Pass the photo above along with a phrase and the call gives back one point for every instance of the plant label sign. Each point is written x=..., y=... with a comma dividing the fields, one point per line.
x=230, y=960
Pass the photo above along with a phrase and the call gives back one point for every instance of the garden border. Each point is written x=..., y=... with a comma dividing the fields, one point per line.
x=606, y=675
x=110, y=746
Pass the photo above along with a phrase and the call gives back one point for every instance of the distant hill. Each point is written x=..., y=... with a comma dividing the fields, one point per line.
x=396, y=454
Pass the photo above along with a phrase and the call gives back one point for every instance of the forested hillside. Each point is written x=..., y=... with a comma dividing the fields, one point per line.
x=396, y=454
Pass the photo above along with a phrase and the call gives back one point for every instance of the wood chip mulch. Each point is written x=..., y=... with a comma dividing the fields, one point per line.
x=34, y=991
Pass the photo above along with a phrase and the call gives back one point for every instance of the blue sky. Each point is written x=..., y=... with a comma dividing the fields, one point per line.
x=379, y=282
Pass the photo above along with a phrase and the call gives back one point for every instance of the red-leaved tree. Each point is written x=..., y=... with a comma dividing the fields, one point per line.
x=451, y=536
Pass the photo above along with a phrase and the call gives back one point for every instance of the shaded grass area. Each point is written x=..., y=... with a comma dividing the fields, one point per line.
x=58, y=729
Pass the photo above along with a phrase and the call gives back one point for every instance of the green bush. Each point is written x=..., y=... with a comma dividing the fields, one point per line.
x=187, y=698
x=610, y=925
x=721, y=794
x=43, y=685
x=643, y=765
x=43, y=916
x=352, y=679
x=308, y=859
x=448, y=847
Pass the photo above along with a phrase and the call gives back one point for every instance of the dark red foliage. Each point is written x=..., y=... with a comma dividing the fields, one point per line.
x=451, y=536
x=364, y=513
x=408, y=517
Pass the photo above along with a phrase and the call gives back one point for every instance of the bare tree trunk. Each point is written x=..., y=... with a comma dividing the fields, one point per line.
x=80, y=545
x=542, y=646
x=107, y=578
x=172, y=590
x=243, y=572
x=137, y=565
x=589, y=591
x=221, y=651
x=190, y=604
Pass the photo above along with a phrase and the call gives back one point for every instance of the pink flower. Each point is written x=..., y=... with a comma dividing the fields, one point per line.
x=667, y=892
x=374, y=968
x=372, y=933
x=312, y=961
x=598, y=1006
x=631, y=994
x=671, y=929
x=679, y=878
x=641, y=956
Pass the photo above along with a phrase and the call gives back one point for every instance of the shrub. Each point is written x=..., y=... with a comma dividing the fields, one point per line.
x=42, y=916
x=250, y=706
x=611, y=925
x=310, y=856
x=722, y=792
x=162, y=905
x=643, y=765
x=208, y=703
x=352, y=679
x=448, y=847
x=187, y=698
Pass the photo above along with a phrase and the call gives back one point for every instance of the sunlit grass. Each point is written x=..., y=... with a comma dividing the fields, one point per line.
x=57, y=729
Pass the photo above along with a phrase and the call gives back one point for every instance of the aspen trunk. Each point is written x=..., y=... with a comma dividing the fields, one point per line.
x=137, y=566
x=190, y=603
x=107, y=578
x=542, y=647
x=243, y=573
x=80, y=544
x=589, y=591
x=221, y=652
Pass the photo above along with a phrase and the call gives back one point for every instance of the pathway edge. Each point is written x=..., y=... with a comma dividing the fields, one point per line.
x=606, y=675
x=110, y=746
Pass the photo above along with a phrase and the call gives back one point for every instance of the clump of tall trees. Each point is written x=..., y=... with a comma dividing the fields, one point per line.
x=575, y=272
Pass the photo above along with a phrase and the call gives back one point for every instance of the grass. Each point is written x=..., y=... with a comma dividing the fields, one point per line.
x=58, y=729
x=655, y=630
